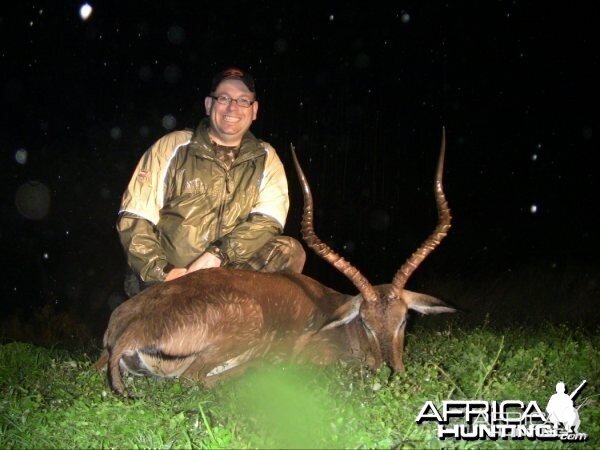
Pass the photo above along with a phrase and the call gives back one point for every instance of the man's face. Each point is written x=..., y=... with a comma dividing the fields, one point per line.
x=228, y=123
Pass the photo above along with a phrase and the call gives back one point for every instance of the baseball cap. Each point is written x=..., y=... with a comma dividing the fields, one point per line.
x=233, y=73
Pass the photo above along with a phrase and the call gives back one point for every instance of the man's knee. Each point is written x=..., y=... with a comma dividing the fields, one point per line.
x=294, y=251
x=279, y=254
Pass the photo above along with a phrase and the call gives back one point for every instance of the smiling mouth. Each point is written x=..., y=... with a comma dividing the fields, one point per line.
x=231, y=119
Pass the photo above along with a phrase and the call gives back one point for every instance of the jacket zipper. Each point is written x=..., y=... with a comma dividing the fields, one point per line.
x=221, y=209
x=226, y=190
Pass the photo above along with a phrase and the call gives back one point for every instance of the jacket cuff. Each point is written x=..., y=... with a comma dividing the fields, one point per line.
x=159, y=273
x=215, y=249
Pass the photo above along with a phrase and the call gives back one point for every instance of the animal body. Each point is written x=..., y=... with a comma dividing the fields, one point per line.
x=212, y=323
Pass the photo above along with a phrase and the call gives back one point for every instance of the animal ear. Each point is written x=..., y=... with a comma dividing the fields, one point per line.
x=425, y=304
x=344, y=314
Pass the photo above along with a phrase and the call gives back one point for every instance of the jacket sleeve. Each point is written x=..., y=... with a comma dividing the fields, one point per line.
x=142, y=247
x=267, y=217
x=140, y=208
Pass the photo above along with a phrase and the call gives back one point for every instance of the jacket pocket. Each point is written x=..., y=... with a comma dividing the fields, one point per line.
x=194, y=187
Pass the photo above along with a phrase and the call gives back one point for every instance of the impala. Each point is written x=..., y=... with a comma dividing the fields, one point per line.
x=212, y=323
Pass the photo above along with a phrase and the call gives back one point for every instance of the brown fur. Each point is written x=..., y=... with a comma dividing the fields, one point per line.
x=210, y=316
x=195, y=323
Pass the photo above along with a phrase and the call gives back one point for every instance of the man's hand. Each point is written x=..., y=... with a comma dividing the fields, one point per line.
x=176, y=273
x=206, y=261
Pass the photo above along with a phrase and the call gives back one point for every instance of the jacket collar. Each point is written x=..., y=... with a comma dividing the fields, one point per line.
x=202, y=146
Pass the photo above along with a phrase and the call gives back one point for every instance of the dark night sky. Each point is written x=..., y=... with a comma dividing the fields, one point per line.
x=361, y=89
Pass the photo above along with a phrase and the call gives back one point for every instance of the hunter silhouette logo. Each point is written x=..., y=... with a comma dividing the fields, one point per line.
x=561, y=409
x=508, y=419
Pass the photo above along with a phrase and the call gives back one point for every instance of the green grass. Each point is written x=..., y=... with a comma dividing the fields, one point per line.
x=52, y=398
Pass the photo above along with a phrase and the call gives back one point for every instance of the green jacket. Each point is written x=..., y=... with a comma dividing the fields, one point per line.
x=182, y=201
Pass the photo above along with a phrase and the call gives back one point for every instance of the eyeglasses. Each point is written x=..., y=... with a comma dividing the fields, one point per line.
x=226, y=100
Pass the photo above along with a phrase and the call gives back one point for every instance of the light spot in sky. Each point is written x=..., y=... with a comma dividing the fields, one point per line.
x=32, y=200
x=587, y=133
x=176, y=35
x=534, y=157
x=331, y=17
x=172, y=73
x=280, y=46
x=21, y=156
x=145, y=73
x=405, y=18
x=533, y=209
x=85, y=11
x=349, y=246
x=169, y=122
x=115, y=133
x=105, y=192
